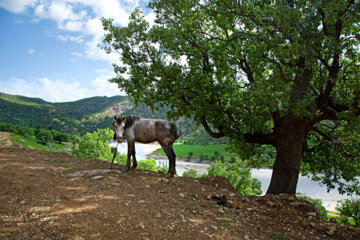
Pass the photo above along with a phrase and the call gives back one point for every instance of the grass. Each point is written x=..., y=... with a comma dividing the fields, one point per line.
x=182, y=150
x=22, y=141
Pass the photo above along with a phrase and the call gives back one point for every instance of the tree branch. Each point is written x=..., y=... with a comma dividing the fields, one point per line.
x=210, y=131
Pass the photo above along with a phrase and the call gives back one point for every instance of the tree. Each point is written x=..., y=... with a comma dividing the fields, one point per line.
x=277, y=73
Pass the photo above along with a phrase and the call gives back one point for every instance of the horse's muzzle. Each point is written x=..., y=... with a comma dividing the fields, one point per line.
x=116, y=138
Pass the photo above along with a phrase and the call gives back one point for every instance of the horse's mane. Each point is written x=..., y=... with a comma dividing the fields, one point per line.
x=130, y=120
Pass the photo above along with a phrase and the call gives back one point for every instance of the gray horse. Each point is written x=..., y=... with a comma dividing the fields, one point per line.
x=136, y=129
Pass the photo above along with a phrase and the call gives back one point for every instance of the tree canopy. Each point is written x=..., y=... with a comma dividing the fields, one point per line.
x=284, y=73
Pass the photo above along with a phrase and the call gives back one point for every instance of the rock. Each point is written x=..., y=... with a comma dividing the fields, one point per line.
x=246, y=237
x=214, y=227
x=97, y=177
x=141, y=225
x=331, y=231
x=312, y=214
x=270, y=203
x=131, y=195
x=182, y=195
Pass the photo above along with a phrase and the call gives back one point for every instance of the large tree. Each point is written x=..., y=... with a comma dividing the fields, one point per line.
x=280, y=73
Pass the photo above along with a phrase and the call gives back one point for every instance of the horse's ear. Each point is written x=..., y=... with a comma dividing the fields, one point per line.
x=115, y=117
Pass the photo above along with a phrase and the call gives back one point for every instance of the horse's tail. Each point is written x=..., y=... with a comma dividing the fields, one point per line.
x=175, y=132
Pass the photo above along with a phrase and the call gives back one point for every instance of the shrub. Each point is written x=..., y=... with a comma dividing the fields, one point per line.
x=96, y=146
x=318, y=204
x=349, y=209
x=148, y=164
x=239, y=176
x=191, y=173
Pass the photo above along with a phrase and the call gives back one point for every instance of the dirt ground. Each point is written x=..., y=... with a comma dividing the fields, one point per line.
x=45, y=195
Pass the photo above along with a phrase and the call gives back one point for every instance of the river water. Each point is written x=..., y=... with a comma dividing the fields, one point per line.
x=305, y=185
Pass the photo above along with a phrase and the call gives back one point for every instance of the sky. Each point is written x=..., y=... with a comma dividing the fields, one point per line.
x=49, y=48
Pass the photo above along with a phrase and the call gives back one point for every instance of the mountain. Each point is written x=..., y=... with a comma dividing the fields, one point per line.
x=87, y=115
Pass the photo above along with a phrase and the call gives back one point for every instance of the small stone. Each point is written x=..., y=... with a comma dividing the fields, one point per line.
x=270, y=203
x=97, y=177
x=214, y=227
x=246, y=237
x=232, y=194
x=182, y=195
x=141, y=225
x=312, y=224
x=312, y=214
x=331, y=231
x=131, y=195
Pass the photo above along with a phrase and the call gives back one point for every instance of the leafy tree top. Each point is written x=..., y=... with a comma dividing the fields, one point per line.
x=264, y=72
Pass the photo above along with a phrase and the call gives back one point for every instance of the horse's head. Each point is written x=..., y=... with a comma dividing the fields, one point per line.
x=119, y=125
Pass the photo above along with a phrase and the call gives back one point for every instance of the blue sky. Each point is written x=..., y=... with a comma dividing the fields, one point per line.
x=48, y=48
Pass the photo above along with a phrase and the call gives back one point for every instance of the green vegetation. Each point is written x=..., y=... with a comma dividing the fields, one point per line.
x=148, y=164
x=42, y=139
x=238, y=175
x=208, y=152
x=317, y=203
x=25, y=142
x=349, y=211
x=95, y=145
x=277, y=73
x=191, y=173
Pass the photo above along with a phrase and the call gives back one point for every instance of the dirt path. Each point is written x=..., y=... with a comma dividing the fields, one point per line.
x=46, y=195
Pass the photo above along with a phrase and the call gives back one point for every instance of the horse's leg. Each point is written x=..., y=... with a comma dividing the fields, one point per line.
x=129, y=153
x=168, y=149
x=134, y=158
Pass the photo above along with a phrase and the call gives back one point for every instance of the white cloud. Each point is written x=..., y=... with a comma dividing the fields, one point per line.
x=60, y=90
x=65, y=38
x=17, y=6
x=31, y=51
x=77, y=54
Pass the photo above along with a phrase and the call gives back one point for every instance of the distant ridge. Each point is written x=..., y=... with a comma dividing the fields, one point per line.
x=86, y=115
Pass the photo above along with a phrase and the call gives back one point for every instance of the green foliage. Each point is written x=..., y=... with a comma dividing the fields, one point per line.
x=318, y=204
x=95, y=145
x=349, y=209
x=191, y=173
x=200, y=151
x=259, y=72
x=26, y=142
x=43, y=136
x=148, y=164
x=238, y=175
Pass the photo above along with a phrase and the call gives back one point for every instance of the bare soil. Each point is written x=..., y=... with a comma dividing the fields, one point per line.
x=45, y=195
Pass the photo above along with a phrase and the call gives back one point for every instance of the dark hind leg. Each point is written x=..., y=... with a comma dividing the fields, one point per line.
x=168, y=149
x=129, y=153
x=134, y=157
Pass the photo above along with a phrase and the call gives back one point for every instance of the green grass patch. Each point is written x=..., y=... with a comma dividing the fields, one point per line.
x=22, y=141
x=183, y=150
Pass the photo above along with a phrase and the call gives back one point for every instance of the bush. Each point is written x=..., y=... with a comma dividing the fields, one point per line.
x=44, y=136
x=96, y=146
x=349, y=209
x=239, y=176
x=191, y=173
x=318, y=204
x=148, y=164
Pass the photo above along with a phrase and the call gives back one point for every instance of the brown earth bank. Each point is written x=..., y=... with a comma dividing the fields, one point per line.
x=45, y=195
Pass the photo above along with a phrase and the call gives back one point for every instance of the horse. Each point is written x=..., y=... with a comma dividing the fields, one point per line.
x=137, y=129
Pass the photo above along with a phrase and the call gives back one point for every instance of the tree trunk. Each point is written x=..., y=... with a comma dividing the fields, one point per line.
x=289, y=146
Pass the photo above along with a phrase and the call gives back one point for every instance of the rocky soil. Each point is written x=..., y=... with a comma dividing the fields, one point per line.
x=45, y=195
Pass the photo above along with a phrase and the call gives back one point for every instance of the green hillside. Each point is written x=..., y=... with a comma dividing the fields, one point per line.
x=87, y=115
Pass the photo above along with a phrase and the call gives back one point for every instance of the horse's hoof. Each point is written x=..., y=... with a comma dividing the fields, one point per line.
x=133, y=167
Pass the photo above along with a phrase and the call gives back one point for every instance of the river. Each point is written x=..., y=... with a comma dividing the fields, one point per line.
x=305, y=185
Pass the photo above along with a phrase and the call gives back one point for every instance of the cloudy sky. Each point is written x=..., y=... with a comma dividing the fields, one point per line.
x=48, y=48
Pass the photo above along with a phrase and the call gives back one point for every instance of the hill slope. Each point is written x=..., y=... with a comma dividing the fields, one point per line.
x=46, y=195
x=87, y=115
